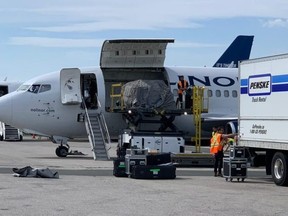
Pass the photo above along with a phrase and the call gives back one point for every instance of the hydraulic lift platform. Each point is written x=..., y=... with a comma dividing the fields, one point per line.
x=165, y=119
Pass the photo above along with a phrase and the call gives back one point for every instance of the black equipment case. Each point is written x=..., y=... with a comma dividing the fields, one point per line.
x=234, y=168
x=237, y=152
x=119, y=169
x=134, y=160
x=153, y=172
x=159, y=158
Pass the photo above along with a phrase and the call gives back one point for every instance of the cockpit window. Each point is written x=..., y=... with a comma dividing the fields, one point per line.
x=34, y=89
x=23, y=88
x=44, y=88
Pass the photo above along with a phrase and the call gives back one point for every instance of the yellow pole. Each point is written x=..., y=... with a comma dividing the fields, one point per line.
x=198, y=93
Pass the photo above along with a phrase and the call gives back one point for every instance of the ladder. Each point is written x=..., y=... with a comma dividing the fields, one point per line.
x=98, y=134
x=116, y=93
x=198, y=94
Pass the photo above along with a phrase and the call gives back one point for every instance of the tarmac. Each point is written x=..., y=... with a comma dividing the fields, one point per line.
x=88, y=187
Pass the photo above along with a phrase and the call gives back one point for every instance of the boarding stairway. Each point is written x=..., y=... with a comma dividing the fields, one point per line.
x=11, y=133
x=98, y=134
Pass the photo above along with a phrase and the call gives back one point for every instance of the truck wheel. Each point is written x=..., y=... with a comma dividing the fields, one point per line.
x=279, y=169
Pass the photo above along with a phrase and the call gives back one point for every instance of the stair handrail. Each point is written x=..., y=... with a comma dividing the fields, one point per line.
x=91, y=135
x=103, y=123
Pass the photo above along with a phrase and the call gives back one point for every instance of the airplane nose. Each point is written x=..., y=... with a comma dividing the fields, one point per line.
x=6, y=109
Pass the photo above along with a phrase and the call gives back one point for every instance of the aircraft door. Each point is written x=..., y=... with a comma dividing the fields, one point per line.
x=89, y=90
x=70, y=86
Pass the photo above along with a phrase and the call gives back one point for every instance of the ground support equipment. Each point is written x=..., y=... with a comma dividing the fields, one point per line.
x=235, y=166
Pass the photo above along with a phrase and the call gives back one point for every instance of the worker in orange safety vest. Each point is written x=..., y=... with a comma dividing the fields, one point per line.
x=217, y=143
x=182, y=87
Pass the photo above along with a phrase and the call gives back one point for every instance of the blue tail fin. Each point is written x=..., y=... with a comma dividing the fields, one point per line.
x=239, y=50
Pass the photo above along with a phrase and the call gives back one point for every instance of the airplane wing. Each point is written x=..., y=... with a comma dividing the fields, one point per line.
x=218, y=117
x=28, y=131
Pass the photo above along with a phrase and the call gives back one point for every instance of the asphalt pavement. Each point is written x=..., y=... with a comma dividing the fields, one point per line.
x=88, y=187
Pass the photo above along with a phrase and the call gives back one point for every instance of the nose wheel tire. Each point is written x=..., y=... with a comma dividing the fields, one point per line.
x=61, y=151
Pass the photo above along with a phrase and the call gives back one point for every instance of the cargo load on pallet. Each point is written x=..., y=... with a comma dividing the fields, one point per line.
x=148, y=94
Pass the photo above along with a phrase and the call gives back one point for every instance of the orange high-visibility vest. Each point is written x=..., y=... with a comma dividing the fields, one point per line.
x=180, y=91
x=216, y=144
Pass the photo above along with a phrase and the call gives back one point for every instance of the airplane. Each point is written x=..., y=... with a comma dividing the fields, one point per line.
x=56, y=103
x=6, y=131
x=8, y=86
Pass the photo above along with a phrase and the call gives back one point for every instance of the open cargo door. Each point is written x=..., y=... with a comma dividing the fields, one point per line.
x=134, y=53
x=70, y=86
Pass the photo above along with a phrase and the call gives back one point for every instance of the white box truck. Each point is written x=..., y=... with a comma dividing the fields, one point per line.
x=263, y=115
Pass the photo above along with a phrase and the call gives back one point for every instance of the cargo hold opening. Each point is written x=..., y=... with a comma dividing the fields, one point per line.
x=120, y=76
x=126, y=60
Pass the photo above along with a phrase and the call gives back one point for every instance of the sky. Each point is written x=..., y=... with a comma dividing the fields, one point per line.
x=39, y=37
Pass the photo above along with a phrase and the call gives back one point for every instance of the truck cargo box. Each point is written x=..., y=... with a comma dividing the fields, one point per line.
x=263, y=117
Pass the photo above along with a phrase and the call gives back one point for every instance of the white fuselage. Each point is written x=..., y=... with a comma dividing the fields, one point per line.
x=43, y=111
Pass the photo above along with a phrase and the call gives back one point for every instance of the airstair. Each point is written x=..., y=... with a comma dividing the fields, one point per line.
x=98, y=134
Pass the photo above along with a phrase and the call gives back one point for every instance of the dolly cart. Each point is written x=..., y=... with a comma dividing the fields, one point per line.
x=235, y=166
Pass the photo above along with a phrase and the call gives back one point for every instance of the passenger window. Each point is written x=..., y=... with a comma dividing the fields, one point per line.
x=44, y=88
x=226, y=93
x=210, y=93
x=218, y=93
x=34, y=89
x=234, y=93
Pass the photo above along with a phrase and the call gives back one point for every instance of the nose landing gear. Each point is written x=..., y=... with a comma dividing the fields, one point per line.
x=62, y=151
